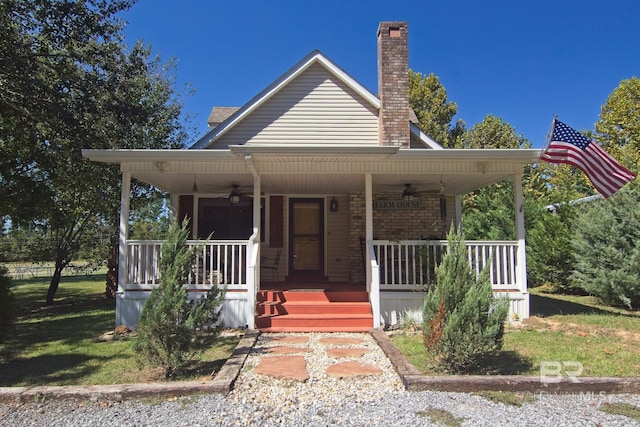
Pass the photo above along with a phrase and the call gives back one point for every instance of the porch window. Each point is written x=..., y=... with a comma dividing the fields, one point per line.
x=225, y=220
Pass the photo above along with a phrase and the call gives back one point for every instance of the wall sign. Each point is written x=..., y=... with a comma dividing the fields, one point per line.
x=396, y=204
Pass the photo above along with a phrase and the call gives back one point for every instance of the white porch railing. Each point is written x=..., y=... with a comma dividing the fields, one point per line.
x=217, y=261
x=410, y=264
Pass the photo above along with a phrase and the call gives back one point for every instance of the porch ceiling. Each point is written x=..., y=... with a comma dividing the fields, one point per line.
x=315, y=183
x=312, y=172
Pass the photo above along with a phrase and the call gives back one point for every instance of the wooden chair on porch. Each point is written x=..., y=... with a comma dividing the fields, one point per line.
x=272, y=264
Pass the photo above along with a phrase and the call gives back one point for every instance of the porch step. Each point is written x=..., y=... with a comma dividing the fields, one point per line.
x=320, y=295
x=313, y=310
x=317, y=307
x=312, y=307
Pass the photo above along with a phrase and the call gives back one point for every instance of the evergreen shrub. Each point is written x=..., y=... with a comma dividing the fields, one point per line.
x=607, y=247
x=173, y=329
x=463, y=322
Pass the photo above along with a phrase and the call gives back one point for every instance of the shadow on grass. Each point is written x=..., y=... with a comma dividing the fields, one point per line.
x=209, y=364
x=202, y=368
x=542, y=306
x=505, y=362
x=80, y=313
x=48, y=369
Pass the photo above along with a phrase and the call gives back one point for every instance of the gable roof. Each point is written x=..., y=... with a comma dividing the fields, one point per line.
x=315, y=57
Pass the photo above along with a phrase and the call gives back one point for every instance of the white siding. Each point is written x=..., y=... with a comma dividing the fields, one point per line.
x=395, y=305
x=315, y=108
x=129, y=307
x=337, y=230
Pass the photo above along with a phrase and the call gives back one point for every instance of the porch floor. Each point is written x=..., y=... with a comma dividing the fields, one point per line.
x=297, y=306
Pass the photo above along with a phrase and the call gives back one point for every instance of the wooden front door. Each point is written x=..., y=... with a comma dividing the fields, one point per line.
x=306, y=236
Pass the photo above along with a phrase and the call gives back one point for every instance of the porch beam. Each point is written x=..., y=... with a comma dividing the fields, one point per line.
x=123, y=235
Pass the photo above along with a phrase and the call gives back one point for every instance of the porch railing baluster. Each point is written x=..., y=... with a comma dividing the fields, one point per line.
x=410, y=264
x=216, y=261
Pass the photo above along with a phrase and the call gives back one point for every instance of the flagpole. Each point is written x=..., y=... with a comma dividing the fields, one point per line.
x=549, y=134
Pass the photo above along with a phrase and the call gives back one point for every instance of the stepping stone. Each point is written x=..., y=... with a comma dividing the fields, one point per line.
x=301, y=339
x=346, y=352
x=284, y=368
x=340, y=341
x=287, y=350
x=352, y=369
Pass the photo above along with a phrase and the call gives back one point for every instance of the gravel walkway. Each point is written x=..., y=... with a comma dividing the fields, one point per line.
x=322, y=401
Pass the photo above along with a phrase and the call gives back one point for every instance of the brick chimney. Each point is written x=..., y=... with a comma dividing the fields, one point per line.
x=393, y=84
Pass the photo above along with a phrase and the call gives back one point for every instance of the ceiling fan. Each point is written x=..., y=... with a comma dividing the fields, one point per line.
x=235, y=195
x=411, y=191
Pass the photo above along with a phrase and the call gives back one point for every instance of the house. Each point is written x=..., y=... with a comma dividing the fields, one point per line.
x=328, y=205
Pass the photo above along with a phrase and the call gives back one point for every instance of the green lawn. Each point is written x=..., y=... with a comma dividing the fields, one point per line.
x=562, y=328
x=60, y=345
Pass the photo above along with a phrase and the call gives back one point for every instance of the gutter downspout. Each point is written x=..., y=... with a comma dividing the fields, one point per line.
x=254, y=256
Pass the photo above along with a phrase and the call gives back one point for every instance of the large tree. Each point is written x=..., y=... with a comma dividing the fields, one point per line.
x=606, y=233
x=488, y=212
x=70, y=82
x=428, y=99
x=618, y=129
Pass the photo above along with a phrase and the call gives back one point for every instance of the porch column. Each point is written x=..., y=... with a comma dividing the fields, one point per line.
x=521, y=272
x=174, y=202
x=458, y=204
x=253, y=264
x=125, y=195
x=372, y=285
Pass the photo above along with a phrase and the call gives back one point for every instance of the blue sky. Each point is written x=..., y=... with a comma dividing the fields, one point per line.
x=520, y=60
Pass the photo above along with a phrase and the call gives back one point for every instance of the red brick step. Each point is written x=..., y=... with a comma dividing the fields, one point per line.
x=313, y=310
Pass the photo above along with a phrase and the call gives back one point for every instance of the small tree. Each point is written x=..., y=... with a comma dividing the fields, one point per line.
x=463, y=322
x=171, y=330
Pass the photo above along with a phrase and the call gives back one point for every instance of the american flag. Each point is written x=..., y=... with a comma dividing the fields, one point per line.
x=567, y=145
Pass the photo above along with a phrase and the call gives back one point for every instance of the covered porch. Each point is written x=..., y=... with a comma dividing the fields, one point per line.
x=335, y=215
x=337, y=183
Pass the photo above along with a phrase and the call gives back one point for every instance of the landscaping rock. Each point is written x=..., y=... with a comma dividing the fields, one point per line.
x=352, y=369
x=287, y=350
x=291, y=339
x=340, y=341
x=284, y=368
x=346, y=352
